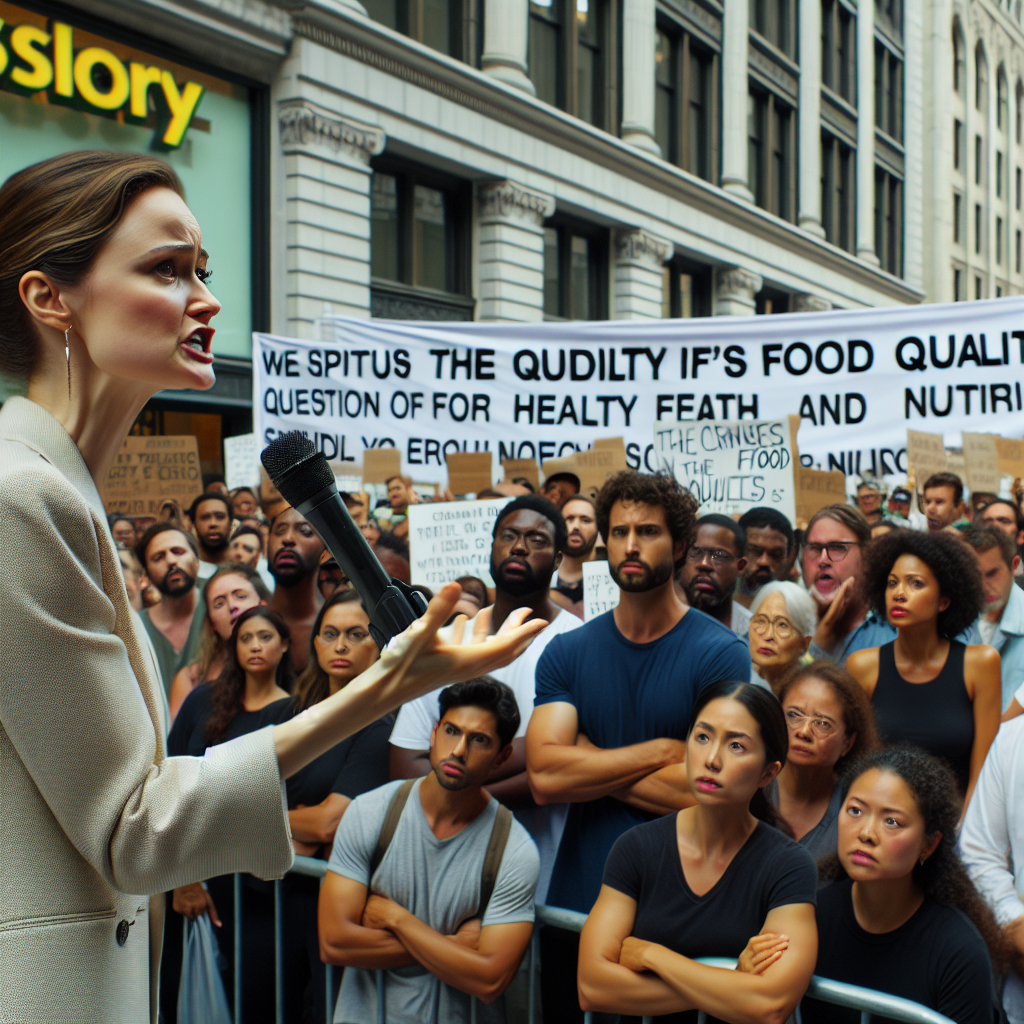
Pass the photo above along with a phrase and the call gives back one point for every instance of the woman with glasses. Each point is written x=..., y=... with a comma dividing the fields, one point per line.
x=782, y=624
x=340, y=648
x=928, y=689
x=830, y=724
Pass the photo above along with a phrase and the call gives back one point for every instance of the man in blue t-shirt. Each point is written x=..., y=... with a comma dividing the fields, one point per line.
x=613, y=701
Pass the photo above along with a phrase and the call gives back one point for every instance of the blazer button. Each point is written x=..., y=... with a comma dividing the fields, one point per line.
x=122, y=932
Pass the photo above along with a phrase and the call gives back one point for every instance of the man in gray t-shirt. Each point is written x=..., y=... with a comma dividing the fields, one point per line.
x=416, y=917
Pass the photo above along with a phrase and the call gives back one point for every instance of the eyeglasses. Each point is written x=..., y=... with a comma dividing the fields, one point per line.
x=354, y=635
x=782, y=628
x=837, y=549
x=534, y=541
x=821, y=727
x=716, y=556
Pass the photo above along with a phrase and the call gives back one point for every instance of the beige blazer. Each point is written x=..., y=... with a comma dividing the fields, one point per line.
x=94, y=817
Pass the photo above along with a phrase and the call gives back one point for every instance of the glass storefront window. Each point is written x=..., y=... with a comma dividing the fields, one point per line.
x=384, y=228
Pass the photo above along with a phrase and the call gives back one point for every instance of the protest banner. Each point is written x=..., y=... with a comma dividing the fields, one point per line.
x=148, y=470
x=381, y=464
x=600, y=591
x=521, y=469
x=982, y=463
x=815, y=489
x=858, y=379
x=241, y=461
x=449, y=539
x=468, y=472
x=731, y=467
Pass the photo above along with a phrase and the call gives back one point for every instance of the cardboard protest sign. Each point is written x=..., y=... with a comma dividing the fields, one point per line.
x=815, y=489
x=594, y=466
x=241, y=461
x=982, y=463
x=730, y=467
x=1010, y=453
x=926, y=454
x=449, y=539
x=468, y=472
x=955, y=463
x=381, y=464
x=526, y=468
x=149, y=469
x=600, y=591
x=561, y=465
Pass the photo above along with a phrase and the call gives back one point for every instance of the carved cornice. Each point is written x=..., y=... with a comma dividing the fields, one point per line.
x=634, y=245
x=305, y=127
x=805, y=302
x=735, y=282
x=507, y=200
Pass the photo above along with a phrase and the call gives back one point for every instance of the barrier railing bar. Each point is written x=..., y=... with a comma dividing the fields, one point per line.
x=380, y=997
x=532, y=976
x=328, y=994
x=278, y=957
x=237, y=958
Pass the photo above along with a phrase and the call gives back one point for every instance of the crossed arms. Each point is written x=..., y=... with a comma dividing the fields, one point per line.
x=359, y=929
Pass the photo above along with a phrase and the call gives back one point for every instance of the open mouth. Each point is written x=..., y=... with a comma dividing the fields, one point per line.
x=707, y=785
x=197, y=344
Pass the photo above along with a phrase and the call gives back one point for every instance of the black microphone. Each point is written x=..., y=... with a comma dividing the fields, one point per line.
x=306, y=482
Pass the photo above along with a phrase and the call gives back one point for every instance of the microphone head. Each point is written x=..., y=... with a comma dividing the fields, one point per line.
x=298, y=470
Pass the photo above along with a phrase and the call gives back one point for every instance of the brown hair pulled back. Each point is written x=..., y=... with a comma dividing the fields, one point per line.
x=55, y=216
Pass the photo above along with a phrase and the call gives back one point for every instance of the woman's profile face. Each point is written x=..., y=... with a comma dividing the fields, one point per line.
x=260, y=647
x=881, y=828
x=773, y=639
x=344, y=647
x=143, y=311
x=817, y=728
x=725, y=755
x=227, y=597
x=912, y=593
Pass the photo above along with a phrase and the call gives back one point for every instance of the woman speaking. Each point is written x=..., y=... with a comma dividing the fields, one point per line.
x=104, y=302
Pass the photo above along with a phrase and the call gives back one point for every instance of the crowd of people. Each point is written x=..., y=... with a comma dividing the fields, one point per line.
x=801, y=748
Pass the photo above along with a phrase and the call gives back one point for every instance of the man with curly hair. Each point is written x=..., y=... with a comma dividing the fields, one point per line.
x=613, y=703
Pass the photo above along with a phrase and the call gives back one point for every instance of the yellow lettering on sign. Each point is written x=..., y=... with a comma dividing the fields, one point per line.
x=24, y=40
x=86, y=60
x=181, y=105
x=142, y=76
x=63, y=59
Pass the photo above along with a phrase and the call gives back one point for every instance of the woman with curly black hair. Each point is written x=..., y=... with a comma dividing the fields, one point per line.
x=927, y=688
x=901, y=914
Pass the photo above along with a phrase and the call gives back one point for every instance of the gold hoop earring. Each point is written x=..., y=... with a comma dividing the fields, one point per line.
x=67, y=356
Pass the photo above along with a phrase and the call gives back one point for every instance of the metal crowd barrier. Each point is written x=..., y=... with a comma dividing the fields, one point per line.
x=867, y=1000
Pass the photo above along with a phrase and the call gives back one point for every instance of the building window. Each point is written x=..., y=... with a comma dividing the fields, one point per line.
x=888, y=91
x=959, y=61
x=775, y=20
x=772, y=157
x=570, y=57
x=770, y=300
x=977, y=288
x=958, y=213
x=999, y=174
x=958, y=144
x=977, y=227
x=980, y=79
x=957, y=286
x=889, y=221
x=1002, y=102
x=450, y=26
x=838, y=49
x=686, y=101
x=575, y=272
x=890, y=14
x=999, y=240
x=979, y=159
x=1016, y=199
x=838, y=192
x=686, y=289
x=1016, y=252
x=418, y=231
x=1019, y=114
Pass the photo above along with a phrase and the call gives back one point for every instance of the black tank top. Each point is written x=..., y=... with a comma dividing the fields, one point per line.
x=936, y=716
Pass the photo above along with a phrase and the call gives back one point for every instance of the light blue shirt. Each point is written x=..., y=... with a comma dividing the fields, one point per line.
x=874, y=632
x=1009, y=642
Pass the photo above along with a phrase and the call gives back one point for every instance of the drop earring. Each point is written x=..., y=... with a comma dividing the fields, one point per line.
x=67, y=357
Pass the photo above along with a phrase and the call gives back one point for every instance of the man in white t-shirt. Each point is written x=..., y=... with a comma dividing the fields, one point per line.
x=527, y=539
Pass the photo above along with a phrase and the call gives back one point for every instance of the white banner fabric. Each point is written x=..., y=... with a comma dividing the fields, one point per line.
x=857, y=378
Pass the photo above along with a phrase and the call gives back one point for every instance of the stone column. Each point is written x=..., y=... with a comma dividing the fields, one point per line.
x=866, y=133
x=327, y=213
x=808, y=302
x=511, y=250
x=506, y=38
x=638, y=42
x=639, y=280
x=810, y=117
x=914, y=143
x=735, y=289
x=735, y=90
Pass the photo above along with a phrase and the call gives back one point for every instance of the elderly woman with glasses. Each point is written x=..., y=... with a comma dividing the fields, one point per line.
x=782, y=623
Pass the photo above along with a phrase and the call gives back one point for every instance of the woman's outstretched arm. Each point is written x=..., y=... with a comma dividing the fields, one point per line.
x=417, y=662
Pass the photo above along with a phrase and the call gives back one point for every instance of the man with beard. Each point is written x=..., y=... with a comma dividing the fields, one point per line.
x=440, y=934
x=174, y=625
x=581, y=540
x=293, y=556
x=528, y=534
x=713, y=562
x=613, y=704
x=770, y=551
x=211, y=519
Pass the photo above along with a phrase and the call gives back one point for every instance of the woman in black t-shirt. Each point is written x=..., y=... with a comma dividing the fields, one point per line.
x=703, y=881
x=901, y=916
x=340, y=648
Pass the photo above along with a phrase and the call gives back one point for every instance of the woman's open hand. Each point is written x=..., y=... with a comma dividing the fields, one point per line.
x=761, y=952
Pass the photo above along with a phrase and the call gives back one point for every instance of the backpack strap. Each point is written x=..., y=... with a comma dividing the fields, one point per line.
x=387, y=830
x=492, y=859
